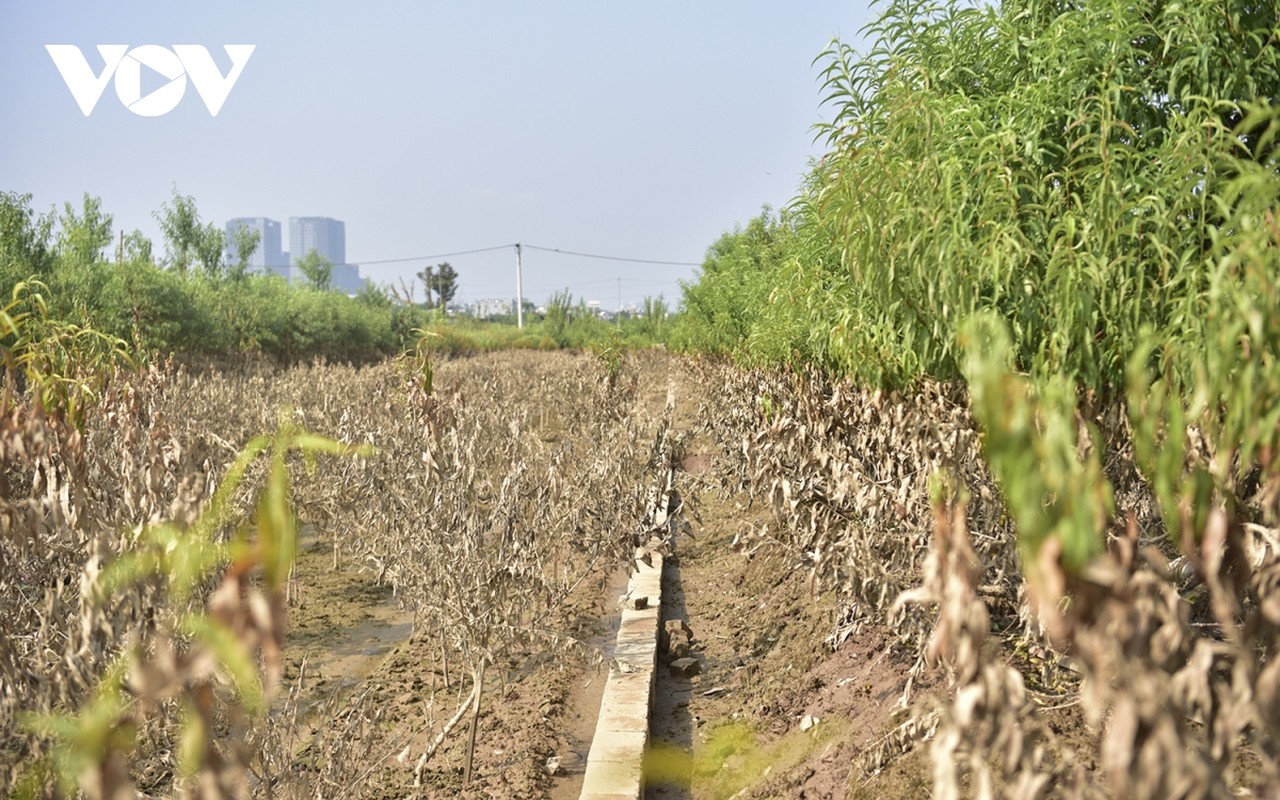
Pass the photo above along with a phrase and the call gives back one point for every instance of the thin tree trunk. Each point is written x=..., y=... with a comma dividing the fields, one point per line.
x=475, y=716
x=444, y=734
x=444, y=660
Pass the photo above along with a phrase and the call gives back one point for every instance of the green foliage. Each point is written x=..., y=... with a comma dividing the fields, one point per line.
x=1090, y=189
x=63, y=365
x=733, y=759
x=225, y=641
x=82, y=237
x=440, y=283
x=559, y=312
x=24, y=241
x=654, y=318
x=1031, y=442
x=609, y=354
x=317, y=269
x=218, y=308
x=1049, y=169
x=577, y=326
x=722, y=310
x=416, y=364
x=1218, y=377
x=180, y=223
x=244, y=242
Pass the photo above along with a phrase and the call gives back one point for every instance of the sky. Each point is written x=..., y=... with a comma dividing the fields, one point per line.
x=638, y=130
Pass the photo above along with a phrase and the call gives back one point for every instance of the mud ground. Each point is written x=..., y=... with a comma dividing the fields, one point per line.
x=774, y=712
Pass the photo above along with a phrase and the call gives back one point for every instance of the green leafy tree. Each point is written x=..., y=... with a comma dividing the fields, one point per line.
x=82, y=237
x=722, y=309
x=446, y=285
x=211, y=249
x=24, y=241
x=441, y=284
x=428, y=276
x=180, y=223
x=317, y=269
x=138, y=248
x=244, y=243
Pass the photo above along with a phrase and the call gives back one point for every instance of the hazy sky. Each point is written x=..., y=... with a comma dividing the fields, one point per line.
x=641, y=130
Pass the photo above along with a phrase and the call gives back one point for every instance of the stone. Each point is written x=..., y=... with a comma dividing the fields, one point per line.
x=678, y=626
x=808, y=721
x=677, y=648
x=685, y=667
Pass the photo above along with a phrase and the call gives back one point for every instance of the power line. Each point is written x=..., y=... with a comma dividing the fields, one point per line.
x=613, y=258
x=531, y=247
x=436, y=255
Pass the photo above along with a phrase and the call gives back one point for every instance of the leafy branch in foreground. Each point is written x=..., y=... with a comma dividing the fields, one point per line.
x=216, y=665
x=64, y=365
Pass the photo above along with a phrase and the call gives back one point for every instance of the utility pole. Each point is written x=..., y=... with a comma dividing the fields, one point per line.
x=619, y=314
x=519, y=291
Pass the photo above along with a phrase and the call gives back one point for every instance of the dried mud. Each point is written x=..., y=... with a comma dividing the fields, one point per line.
x=734, y=730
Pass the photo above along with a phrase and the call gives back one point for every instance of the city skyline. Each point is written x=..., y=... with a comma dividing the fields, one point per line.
x=325, y=235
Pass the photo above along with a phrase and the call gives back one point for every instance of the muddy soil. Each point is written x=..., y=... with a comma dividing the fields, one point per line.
x=773, y=713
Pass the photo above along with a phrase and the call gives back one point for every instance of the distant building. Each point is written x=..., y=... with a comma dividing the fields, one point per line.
x=325, y=235
x=491, y=308
x=346, y=279
x=268, y=256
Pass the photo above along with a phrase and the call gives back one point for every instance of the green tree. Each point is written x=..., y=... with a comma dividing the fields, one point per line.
x=441, y=284
x=446, y=285
x=317, y=269
x=722, y=309
x=180, y=223
x=82, y=237
x=211, y=249
x=428, y=276
x=138, y=248
x=24, y=241
x=244, y=243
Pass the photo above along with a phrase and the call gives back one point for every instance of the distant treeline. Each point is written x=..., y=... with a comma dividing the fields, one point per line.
x=194, y=299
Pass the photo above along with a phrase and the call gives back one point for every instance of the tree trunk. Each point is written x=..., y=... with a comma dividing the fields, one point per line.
x=475, y=716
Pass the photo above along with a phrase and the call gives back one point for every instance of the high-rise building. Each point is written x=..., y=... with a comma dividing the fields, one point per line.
x=268, y=255
x=325, y=235
x=346, y=278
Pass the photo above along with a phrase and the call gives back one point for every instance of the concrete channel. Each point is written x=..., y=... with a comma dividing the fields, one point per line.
x=615, y=763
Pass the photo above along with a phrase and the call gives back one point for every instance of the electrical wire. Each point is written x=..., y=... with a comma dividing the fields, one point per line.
x=436, y=255
x=561, y=251
x=612, y=258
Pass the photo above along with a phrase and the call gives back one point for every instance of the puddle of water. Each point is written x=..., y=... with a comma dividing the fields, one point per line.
x=340, y=657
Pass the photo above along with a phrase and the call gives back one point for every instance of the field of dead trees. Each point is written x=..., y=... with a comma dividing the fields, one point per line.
x=152, y=564
x=149, y=537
